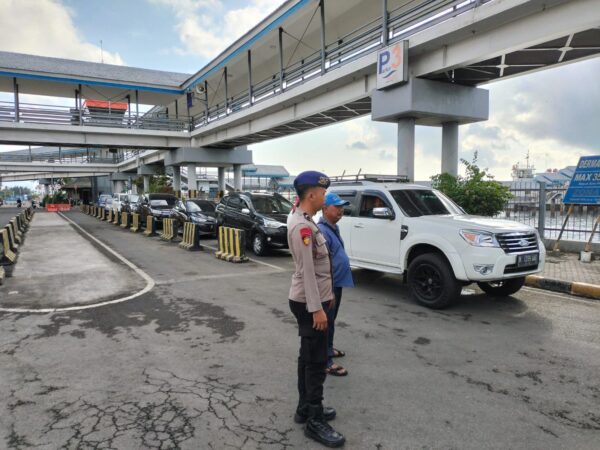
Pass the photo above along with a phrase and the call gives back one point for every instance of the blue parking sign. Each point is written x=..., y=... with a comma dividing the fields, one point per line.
x=584, y=188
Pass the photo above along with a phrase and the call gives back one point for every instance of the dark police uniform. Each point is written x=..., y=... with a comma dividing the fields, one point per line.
x=311, y=291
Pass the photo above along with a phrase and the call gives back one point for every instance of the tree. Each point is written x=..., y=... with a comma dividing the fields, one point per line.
x=477, y=192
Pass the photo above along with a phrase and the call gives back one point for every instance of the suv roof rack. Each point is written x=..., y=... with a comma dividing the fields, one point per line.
x=358, y=178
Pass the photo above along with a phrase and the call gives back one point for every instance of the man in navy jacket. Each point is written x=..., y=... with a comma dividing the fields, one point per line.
x=333, y=211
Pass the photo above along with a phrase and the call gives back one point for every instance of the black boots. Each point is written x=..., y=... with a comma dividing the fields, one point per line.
x=318, y=429
x=301, y=415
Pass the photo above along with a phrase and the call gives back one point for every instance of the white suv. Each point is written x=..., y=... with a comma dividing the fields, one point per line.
x=117, y=204
x=399, y=228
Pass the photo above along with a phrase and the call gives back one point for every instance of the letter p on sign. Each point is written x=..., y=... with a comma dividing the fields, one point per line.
x=392, y=65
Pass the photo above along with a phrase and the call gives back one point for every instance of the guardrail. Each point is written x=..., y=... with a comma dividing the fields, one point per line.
x=541, y=206
x=64, y=115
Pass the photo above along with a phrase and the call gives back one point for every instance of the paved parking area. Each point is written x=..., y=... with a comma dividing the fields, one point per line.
x=206, y=360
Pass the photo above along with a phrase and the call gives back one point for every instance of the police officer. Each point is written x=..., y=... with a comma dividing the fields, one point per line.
x=310, y=294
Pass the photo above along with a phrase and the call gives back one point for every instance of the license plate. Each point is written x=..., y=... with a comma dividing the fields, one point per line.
x=530, y=259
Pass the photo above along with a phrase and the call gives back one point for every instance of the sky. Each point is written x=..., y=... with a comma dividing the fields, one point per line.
x=553, y=114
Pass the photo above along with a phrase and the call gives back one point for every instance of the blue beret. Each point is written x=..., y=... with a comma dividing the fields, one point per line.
x=312, y=178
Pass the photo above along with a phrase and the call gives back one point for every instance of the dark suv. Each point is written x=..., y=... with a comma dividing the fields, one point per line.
x=262, y=216
x=157, y=205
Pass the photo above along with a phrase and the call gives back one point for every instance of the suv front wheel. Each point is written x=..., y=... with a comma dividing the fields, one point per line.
x=432, y=282
x=502, y=288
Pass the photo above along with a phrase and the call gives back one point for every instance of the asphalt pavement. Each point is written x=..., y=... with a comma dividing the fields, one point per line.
x=7, y=213
x=206, y=360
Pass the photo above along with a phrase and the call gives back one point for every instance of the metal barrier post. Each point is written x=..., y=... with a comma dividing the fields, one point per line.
x=542, y=210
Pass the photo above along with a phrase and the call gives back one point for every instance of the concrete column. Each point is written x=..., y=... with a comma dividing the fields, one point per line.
x=406, y=148
x=237, y=177
x=115, y=186
x=146, y=184
x=176, y=178
x=134, y=188
x=221, y=179
x=192, y=178
x=450, y=148
x=119, y=186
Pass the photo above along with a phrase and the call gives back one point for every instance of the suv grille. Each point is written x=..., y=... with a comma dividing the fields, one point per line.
x=518, y=242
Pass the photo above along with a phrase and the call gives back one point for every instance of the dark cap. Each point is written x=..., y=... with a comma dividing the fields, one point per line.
x=312, y=178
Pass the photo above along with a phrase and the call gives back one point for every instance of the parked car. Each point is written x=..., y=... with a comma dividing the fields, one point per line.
x=157, y=205
x=107, y=205
x=130, y=204
x=117, y=204
x=102, y=200
x=262, y=216
x=1, y=202
x=409, y=229
x=200, y=212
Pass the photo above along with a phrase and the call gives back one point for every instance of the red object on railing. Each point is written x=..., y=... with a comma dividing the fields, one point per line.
x=105, y=104
x=55, y=207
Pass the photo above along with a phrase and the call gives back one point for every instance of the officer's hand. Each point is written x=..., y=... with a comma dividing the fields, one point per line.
x=320, y=320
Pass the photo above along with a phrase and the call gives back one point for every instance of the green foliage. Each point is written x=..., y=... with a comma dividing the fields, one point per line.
x=477, y=192
x=59, y=197
x=158, y=184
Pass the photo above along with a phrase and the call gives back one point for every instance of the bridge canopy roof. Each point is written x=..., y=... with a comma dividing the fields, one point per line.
x=59, y=77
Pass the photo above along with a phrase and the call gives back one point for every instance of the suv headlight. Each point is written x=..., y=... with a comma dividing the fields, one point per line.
x=479, y=238
x=272, y=223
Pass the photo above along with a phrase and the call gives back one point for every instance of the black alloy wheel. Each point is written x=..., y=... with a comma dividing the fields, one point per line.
x=432, y=282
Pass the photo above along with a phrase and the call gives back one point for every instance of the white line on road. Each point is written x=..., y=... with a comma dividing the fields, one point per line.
x=149, y=282
x=252, y=259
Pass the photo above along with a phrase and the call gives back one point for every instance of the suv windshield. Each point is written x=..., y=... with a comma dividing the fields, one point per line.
x=271, y=205
x=159, y=203
x=423, y=202
x=133, y=198
x=200, y=206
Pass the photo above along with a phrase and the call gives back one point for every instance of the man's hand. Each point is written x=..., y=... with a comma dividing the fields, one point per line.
x=331, y=305
x=320, y=320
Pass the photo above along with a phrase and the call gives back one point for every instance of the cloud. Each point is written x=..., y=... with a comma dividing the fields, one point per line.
x=357, y=145
x=47, y=28
x=207, y=27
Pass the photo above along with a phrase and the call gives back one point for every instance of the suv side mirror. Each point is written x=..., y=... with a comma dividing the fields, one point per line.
x=246, y=211
x=383, y=213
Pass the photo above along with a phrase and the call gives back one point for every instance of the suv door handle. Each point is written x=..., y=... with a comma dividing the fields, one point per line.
x=359, y=225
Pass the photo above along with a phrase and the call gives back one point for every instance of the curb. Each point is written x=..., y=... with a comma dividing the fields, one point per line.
x=566, y=287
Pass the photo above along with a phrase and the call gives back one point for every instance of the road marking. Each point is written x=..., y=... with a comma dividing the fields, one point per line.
x=281, y=269
x=562, y=296
x=149, y=282
x=213, y=277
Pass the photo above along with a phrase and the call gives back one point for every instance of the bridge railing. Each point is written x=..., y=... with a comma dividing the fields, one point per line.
x=69, y=156
x=64, y=115
x=403, y=22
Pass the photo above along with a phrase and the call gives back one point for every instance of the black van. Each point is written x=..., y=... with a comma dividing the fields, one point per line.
x=262, y=216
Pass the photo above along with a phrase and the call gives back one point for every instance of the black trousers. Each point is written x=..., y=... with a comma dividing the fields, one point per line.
x=312, y=360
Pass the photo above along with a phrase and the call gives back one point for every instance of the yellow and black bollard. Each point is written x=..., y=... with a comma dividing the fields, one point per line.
x=125, y=220
x=169, y=230
x=150, y=226
x=191, y=237
x=8, y=257
x=232, y=245
x=135, y=223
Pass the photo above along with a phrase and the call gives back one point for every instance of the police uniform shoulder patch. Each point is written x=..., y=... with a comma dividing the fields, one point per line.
x=305, y=234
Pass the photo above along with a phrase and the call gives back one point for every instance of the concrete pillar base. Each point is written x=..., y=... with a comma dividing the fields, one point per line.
x=237, y=177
